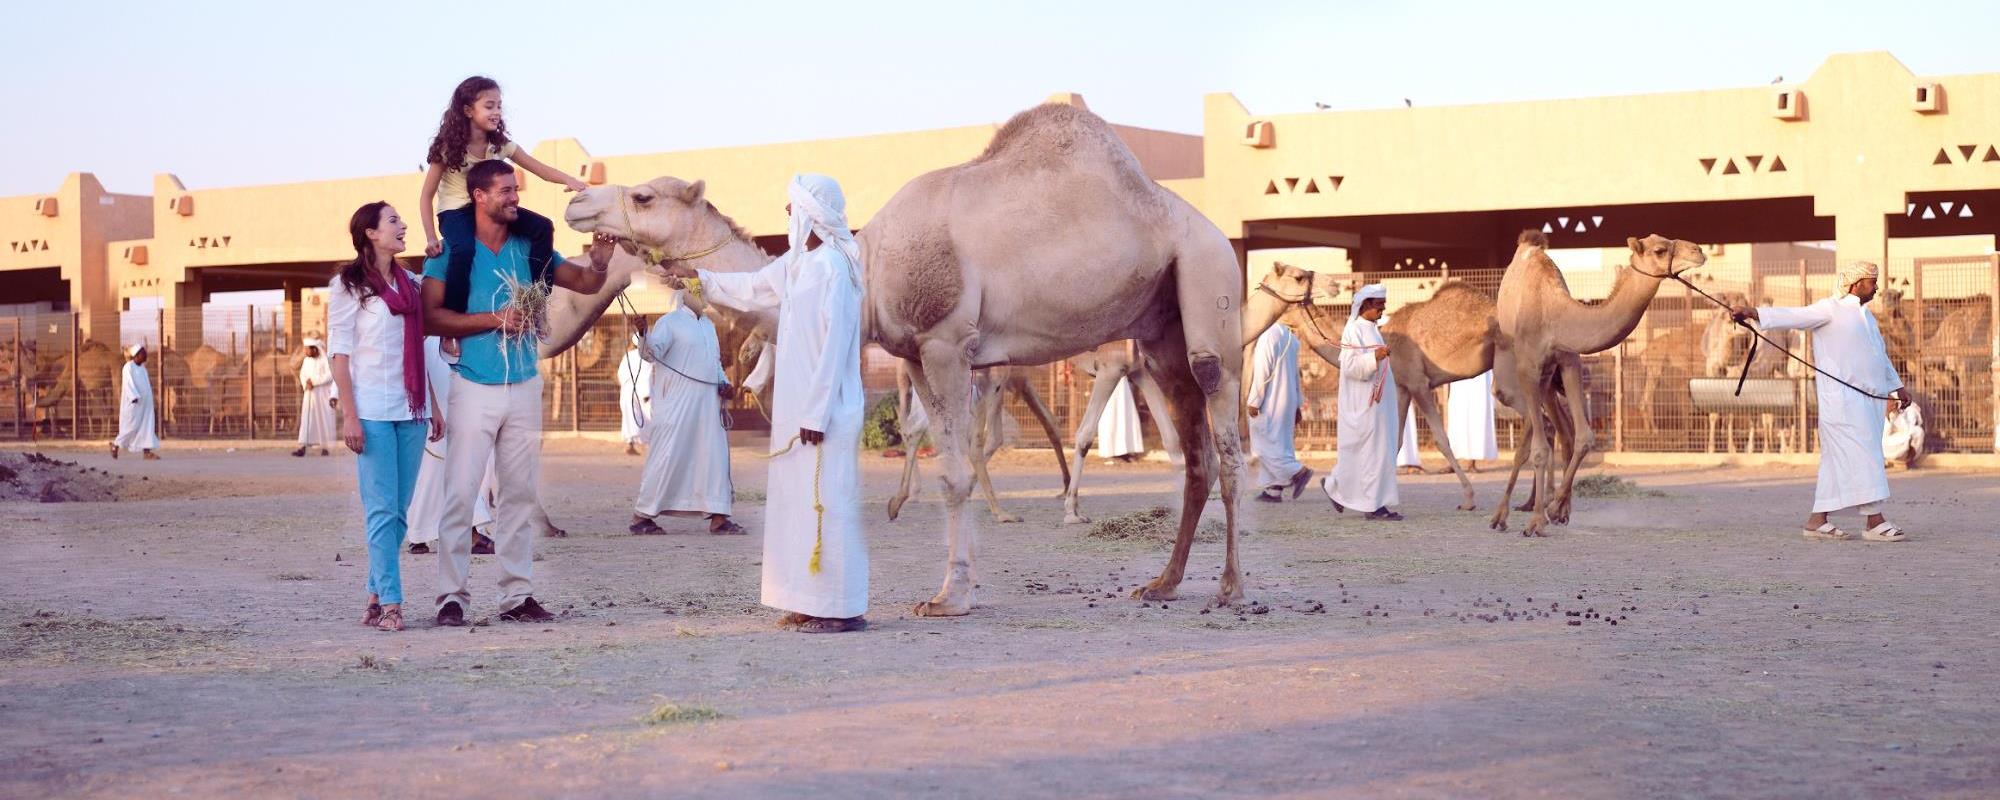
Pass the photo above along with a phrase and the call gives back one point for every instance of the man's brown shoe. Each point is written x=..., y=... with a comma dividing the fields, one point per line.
x=527, y=611
x=451, y=616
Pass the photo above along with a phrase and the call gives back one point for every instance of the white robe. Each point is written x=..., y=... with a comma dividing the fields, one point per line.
x=1903, y=435
x=316, y=420
x=1406, y=454
x=427, y=502
x=687, y=449
x=1468, y=419
x=635, y=382
x=1846, y=343
x=135, y=410
x=1364, y=479
x=1274, y=392
x=1118, y=431
x=759, y=379
x=819, y=387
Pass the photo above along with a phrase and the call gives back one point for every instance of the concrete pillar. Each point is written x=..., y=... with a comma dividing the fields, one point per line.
x=183, y=316
x=294, y=312
x=1368, y=257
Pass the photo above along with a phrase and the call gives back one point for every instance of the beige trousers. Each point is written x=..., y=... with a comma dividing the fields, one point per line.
x=504, y=423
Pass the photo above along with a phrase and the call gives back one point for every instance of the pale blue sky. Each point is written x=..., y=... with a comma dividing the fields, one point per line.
x=227, y=94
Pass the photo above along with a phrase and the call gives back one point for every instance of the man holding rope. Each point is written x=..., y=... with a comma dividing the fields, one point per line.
x=1849, y=349
x=687, y=449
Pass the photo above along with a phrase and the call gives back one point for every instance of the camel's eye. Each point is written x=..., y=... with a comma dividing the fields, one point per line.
x=642, y=199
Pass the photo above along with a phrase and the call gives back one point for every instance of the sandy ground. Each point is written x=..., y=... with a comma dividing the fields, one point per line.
x=199, y=638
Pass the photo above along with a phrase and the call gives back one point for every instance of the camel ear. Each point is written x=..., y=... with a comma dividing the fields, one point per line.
x=1634, y=244
x=692, y=194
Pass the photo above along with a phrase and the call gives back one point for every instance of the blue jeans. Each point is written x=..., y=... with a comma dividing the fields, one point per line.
x=387, y=469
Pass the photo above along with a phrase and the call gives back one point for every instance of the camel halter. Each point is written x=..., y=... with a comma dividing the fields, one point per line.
x=1751, y=357
x=655, y=256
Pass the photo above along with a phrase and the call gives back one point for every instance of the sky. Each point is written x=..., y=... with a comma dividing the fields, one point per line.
x=230, y=94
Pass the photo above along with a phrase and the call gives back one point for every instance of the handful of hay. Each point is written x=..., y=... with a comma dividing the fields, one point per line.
x=530, y=300
x=1156, y=525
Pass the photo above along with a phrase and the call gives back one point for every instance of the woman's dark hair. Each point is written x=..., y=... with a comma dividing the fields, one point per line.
x=354, y=274
x=455, y=129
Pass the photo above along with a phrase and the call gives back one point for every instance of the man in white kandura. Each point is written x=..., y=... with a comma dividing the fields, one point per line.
x=1119, y=435
x=1847, y=344
x=1365, y=476
x=1468, y=420
x=1274, y=413
x=687, y=449
x=635, y=384
x=1408, y=460
x=316, y=420
x=135, y=407
x=815, y=562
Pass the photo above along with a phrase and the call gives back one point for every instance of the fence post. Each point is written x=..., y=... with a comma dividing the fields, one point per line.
x=1618, y=398
x=160, y=397
x=76, y=377
x=1993, y=299
x=21, y=374
x=1917, y=331
x=250, y=372
x=1805, y=296
x=575, y=413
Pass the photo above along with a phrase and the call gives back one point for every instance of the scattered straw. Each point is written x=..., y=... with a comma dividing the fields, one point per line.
x=48, y=636
x=1156, y=525
x=1600, y=486
x=674, y=714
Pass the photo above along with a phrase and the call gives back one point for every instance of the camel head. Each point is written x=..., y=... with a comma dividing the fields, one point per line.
x=1289, y=283
x=665, y=215
x=1660, y=256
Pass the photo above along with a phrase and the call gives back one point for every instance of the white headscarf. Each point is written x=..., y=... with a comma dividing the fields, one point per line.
x=818, y=206
x=1854, y=271
x=313, y=342
x=1373, y=291
x=134, y=350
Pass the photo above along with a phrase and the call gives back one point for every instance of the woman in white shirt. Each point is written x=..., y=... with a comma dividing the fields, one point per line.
x=375, y=333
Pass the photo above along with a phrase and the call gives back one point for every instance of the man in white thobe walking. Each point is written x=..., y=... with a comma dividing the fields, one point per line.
x=1847, y=344
x=1119, y=435
x=815, y=562
x=1365, y=475
x=135, y=407
x=635, y=384
x=316, y=419
x=1274, y=413
x=1468, y=420
x=687, y=449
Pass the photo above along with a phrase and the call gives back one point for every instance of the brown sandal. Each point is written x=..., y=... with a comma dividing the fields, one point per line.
x=793, y=619
x=392, y=620
x=373, y=615
x=832, y=625
x=727, y=528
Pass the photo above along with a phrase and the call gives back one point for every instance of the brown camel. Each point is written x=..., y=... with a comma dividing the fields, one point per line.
x=1538, y=320
x=957, y=270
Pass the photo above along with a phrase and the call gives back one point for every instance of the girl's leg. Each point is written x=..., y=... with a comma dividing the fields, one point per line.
x=541, y=236
x=455, y=227
x=378, y=477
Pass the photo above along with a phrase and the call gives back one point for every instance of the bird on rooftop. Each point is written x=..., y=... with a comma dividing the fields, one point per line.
x=1407, y=103
x=1777, y=80
x=1321, y=106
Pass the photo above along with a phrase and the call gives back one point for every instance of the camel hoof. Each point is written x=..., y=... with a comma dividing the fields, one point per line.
x=1155, y=591
x=1467, y=507
x=1075, y=519
x=935, y=607
x=1005, y=518
x=1525, y=507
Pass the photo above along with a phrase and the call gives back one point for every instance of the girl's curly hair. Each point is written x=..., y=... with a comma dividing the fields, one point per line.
x=455, y=129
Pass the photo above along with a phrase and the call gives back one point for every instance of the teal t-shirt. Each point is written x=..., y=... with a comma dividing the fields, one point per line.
x=480, y=357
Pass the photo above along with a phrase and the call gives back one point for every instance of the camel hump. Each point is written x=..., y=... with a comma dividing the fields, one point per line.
x=1055, y=131
x=1533, y=237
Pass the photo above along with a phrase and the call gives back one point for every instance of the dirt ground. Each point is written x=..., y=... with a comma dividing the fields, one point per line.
x=200, y=638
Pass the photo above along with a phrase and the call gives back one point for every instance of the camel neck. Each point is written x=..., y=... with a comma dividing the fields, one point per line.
x=1595, y=328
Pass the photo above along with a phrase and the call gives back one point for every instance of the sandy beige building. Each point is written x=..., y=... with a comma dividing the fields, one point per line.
x=1862, y=160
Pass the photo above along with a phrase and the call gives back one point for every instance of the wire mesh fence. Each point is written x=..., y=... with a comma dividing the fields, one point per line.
x=232, y=372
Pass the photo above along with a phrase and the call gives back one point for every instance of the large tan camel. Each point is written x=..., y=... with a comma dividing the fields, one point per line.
x=1538, y=320
x=994, y=385
x=958, y=268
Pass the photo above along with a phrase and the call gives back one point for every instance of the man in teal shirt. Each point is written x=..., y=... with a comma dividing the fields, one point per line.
x=496, y=398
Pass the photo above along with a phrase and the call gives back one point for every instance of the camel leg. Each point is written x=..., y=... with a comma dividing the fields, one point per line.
x=946, y=389
x=1156, y=401
x=1188, y=413
x=1577, y=433
x=1427, y=403
x=1086, y=435
x=986, y=435
x=910, y=372
x=1035, y=406
x=1503, y=377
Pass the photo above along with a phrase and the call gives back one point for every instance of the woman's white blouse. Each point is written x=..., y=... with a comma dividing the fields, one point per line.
x=371, y=336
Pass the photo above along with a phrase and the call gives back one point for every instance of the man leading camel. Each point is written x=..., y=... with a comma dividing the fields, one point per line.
x=1365, y=475
x=1848, y=345
x=815, y=562
x=1274, y=413
x=496, y=395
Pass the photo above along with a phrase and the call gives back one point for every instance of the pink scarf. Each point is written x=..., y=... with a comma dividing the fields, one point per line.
x=405, y=303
